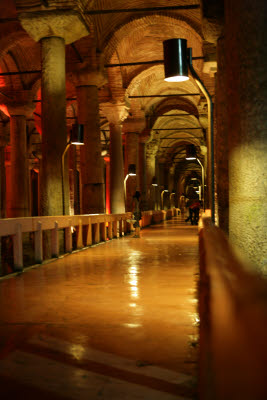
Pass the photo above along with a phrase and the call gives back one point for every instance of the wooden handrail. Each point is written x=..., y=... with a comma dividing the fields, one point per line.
x=15, y=227
x=90, y=229
x=233, y=322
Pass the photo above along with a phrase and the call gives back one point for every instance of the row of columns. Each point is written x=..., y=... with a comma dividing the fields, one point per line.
x=45, y=28
x=53, y=36
x=90, y=159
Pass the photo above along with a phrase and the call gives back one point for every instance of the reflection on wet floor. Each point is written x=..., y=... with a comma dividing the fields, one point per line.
x=116, y=321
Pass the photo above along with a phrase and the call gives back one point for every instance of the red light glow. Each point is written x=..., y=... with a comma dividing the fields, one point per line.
x=2, y=80
x=3, y=108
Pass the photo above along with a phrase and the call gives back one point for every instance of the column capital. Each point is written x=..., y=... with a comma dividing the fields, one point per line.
x=85, y=74
x=171, y=169
x=144, y=136
x=210, y=64
x=134, y=125
x=212, y=13
x=67, y=24
x=152, y=148
x=116, y=113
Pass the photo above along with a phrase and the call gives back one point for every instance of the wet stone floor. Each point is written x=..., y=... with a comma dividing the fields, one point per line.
x=115, y=321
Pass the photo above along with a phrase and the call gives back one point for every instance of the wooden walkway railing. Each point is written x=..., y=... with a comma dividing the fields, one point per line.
x=89, y=229
x=233, y=322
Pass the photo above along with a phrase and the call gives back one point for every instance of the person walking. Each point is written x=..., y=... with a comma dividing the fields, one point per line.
x=195, y=207
x=136, y=209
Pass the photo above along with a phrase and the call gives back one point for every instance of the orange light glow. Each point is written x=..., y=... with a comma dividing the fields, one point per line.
x=3, y=108
x=2, y=80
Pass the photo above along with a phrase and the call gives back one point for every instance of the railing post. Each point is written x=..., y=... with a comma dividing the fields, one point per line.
x=17, y=249
x=96, y=236
x=125, y=230
x=89, y=233
x=121, y=233
x=103, y=231
x=55, y=241
x=38, y=243
x=68, y=238
x=110, y=230
x=79, y=235
x=115, y=229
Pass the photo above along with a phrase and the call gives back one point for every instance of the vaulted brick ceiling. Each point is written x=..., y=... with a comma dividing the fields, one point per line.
x=121, y=38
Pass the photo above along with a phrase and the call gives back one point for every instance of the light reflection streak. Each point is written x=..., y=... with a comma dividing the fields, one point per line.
x=133, y=282
x=194, y=301
x=134, y=292
x=133, y=276
x=195, y=318
x=132, y=325
x=77, y=351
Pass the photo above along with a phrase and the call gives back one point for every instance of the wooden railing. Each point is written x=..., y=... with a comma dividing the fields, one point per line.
x=154, y=217
x=233, y=322
x=89, y=229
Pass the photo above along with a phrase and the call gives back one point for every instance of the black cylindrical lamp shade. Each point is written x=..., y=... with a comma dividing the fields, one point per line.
x=132, y=169
x=191, y=153
x=76, y=134
x=175, y=60
x=154, y=181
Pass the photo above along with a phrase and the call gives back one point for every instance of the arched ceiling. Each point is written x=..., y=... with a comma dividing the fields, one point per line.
x=133, y=37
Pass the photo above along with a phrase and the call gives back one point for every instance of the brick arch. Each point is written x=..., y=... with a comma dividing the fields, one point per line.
x=151, y=80
x=19, y=52
x=173, y=26
x=172, y=104
x=176, y=104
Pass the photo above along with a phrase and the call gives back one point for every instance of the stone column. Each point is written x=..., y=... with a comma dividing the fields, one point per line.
x=53, y=29
x=107, y=166
x=19, y=169
x=142, y=168
x=246, y=64
x=131, y=157
x=54, y=132
x=221, y=140
x=3, y=143
x=87, y=81
x=132, y=127
x=171, y=187
x=116, y=113
x=151, y=150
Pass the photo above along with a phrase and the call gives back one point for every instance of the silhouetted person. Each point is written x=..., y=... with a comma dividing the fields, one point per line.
x=195, y=207
x=137, y=213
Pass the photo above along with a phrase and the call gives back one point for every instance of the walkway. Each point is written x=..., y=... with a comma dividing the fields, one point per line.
x=116, y=321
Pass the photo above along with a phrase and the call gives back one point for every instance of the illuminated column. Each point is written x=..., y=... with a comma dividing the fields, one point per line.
x=131, y=129
x=54, y=133
x=107, y=166
x=53, y=29
x=151, y=151
x=171, y=186
x=221, y=140
x=87, y=80
x=131, y=157
x=142, y=168
x=116, y=114
x=3, y=144
x=19, y=169
x=246, y=64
